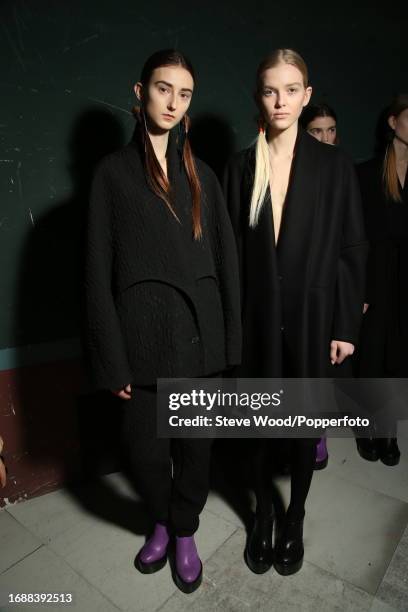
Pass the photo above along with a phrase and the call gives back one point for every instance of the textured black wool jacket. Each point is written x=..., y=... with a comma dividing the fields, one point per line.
x=158, y=303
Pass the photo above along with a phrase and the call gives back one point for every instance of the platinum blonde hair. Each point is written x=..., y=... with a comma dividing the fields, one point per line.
x=262, y=160
x=261, y=178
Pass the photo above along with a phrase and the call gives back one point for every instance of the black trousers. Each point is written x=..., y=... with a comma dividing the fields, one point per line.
x=173, y=474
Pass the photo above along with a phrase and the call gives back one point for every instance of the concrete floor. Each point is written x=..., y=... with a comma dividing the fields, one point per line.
x=85, y=541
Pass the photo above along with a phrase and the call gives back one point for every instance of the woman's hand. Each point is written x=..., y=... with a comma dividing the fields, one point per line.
x=340, y=350
x=365, y=308
x=125, y=393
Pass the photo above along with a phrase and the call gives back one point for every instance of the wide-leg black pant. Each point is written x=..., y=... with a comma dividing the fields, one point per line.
x=173, y=474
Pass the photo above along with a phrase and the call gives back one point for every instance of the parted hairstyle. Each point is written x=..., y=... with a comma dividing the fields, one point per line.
x=313, y=111
x=390, y=175
x=156, y=178
x=262, y=165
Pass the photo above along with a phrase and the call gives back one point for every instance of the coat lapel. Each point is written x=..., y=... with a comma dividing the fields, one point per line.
x=296, y=231
x=261, y=241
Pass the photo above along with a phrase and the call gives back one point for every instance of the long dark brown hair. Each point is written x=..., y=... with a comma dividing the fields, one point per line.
x=157, y=179
x=390, y=175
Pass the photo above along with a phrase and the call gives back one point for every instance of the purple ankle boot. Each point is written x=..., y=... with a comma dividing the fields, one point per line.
x=322, y=455
x=153, y=555
x=189, y=569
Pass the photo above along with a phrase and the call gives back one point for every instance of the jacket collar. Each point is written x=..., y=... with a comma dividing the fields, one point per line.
x=299, y=208
x=175, y=164
x=300, y=203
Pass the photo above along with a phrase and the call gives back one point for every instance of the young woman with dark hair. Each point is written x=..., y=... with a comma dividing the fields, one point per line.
x=384, y=335
x=162, y=299
x=320, y=121
x=296, y=212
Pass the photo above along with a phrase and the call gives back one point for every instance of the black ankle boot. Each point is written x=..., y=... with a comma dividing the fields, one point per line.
x=388, y=451
x=289, y=550
x=368, y=448
x=258, y=552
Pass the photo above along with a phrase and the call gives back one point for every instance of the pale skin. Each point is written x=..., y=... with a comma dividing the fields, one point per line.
x=323, y=129
x=399, y=125
x=165, y=100
x=282, y=98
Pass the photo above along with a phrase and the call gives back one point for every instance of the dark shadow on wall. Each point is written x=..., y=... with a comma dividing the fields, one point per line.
x=213, y=141
x=51, y=261
x=65, y=433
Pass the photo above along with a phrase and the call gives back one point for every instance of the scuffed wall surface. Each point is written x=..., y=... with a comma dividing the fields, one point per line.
x=39, y=426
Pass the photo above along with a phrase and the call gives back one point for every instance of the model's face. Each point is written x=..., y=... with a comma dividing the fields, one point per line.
x=324, y=129
x=167, y=96
x=400, y=125
x=283, y=96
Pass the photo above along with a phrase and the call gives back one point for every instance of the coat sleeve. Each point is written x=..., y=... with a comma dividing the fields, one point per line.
x=232, y=193
x=351, y=271
x=232, y=188
x=366, y=178
x=228, y=277
x=104, y=343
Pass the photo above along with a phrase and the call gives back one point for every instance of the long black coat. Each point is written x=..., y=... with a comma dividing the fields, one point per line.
x=158, y=303
x=384, y=334
x=308, y=290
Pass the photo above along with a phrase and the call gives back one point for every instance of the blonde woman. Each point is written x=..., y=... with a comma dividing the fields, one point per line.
x=295, y=208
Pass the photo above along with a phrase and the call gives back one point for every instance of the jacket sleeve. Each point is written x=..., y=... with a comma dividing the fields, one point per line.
x=351, y=271
x=228, y=277
x=104, y=343
x=232, y=180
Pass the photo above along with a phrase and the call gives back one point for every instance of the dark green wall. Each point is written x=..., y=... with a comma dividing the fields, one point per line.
x=67, y=71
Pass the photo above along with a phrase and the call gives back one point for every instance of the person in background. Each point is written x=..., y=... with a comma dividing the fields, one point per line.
x=320, y=121
x=384, y=334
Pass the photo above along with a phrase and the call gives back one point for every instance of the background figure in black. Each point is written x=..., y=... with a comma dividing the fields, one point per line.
x=384, y=336
x=320, y=121
x=296, y=212
x=162, y=299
